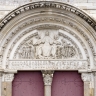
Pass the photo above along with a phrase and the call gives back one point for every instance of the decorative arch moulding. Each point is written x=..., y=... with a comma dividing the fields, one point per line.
x=47, y=4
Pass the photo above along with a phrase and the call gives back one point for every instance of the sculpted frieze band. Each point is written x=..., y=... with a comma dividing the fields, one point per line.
x=47, y=64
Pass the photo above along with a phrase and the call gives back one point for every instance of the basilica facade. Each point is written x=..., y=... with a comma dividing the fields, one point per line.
x=47, y=48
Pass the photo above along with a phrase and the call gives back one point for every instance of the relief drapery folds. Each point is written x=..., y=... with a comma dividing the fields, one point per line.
x=45, y=45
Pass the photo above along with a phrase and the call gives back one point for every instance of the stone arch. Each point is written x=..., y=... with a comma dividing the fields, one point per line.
x=78, y=25
x=63, y=22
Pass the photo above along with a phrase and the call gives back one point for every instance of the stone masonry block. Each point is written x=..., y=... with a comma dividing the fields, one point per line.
x=78, y=1
x=92, y=1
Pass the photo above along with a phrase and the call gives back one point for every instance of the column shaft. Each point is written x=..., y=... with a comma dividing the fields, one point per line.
x=47, y=78
x=47, y=91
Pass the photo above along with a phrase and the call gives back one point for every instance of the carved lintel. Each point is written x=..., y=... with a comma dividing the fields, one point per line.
x=47, y=77
x=47, y=64
x=7, y=77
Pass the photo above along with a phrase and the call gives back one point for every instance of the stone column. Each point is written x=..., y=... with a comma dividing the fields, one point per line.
x=47, y=78
x=7, y=84
x=88, y=84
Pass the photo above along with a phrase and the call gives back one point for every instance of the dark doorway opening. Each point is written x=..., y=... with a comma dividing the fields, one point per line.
x=67, y=84
x=28, y=84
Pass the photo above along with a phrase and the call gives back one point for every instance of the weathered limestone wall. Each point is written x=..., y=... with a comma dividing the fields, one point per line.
x=89, y=6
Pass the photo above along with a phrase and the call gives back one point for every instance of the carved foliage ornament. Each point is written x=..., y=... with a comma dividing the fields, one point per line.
x=47, y=77
x=88, y=77
x=8, y=77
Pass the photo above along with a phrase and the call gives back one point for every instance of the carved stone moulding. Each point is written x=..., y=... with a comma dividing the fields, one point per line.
x=48, y=4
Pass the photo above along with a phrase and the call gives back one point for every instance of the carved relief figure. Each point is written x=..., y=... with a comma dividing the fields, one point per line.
x=46, y=46
x=66, y=50
x=27, y=52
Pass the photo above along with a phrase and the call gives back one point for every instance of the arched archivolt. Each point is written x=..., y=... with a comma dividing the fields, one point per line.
x=22, y=24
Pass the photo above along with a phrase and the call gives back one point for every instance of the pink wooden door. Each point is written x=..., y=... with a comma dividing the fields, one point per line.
x=67, y=84
x=28, y=84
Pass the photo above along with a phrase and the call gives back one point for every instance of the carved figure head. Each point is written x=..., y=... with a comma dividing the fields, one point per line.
x=56, y=37
x=37, y=37
x=47, y=33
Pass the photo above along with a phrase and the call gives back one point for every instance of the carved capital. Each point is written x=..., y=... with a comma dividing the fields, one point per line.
x=86, y=77
x=7, y=77
x=47, y=77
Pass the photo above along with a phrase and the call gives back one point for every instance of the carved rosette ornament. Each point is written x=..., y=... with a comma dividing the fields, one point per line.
x=7, y=77
x=47, y=77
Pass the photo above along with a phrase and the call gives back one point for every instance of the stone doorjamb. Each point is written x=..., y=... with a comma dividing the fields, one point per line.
x=88, y=79
x=6, y=88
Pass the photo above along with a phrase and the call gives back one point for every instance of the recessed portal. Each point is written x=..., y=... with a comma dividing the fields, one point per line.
x=67, y=84
x=28, y=84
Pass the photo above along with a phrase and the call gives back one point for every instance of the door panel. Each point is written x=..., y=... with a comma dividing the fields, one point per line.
x=67, y=84
x=28, y=84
